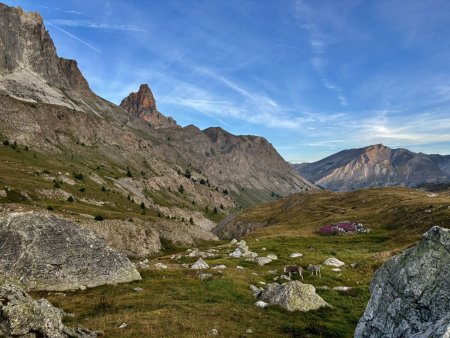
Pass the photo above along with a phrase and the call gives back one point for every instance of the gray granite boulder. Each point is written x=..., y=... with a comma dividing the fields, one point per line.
x=410, y=293
x=22, y=316
x=293, y=296
x=48, y=253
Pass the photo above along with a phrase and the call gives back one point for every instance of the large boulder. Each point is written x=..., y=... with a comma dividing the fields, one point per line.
x=293, y=296
x=22, y=316
x=48, y=253
x=410, y=293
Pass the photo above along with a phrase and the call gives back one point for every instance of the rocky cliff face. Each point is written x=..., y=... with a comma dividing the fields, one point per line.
x=142, y=105
x=410, y=293
x=46, y=104
x=46, y=253
x=376, y=165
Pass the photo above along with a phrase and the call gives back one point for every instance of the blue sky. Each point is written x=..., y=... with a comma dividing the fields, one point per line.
x=313, y=77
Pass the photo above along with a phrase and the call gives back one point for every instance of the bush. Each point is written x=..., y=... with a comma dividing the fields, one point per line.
x=187, y=173
x=215, y=210
x=221, y=206
x=129, y=173
x=142, y=205
x=51, y=208
x=6, y=143
x=103, y=189
x=82, y=189
x=56, y=184
x=70, y=199
x=98, y=218
x=181, y=189
x=225, y=191
x=202, y=181
x=14, y=145
x=191, y=220
x=78, y=176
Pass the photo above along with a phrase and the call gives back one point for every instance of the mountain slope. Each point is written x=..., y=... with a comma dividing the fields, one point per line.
x=375, y=165
x=46, y=106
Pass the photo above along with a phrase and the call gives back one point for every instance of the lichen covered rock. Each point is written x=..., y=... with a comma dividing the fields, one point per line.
x=48, y=253
x=293, y=296
x=410, y=293
x=22, y=316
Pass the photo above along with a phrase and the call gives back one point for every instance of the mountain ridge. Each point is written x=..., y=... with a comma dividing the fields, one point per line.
x=179, y=172
x=376, y=165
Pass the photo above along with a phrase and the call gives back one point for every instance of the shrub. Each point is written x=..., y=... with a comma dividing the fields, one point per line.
x=6, y=143
x=225, y=191
x=56, y=184
x=202, y=181
x=99, y=218
x=187, y=173
x=51, y=208
x=181, y=189
x=191, y=220
x=221, y=206
x=129, y=173
x=215, y=210
x=14, y=145
x=78, y=176
x=103, y=189
x=142, y=205
x=70, y=199
x=82, y=189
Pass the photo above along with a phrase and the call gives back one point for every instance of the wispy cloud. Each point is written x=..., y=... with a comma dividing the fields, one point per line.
x=95, y=25
x=318, y=43
x=75, y=37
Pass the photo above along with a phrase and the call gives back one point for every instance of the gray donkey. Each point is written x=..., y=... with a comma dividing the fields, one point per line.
x=315, y=270
x=293, y=269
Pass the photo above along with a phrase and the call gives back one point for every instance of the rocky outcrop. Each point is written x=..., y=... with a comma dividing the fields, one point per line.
x=22, y=316
x=142, y=105
x=47, y=253
x=293, y=296
x=410, y=293
x=375, y=165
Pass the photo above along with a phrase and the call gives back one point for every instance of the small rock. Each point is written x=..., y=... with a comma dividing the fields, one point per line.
x=239, y=267
x=255, y=273
x=213, y=332
x=185, y=265
x=333, y=262
x=272, y=257
x=261, y=304
x=323, y=287
x=353, y=265
x=428, y=211
x=342, y=288
x=221, y=266
x=276, y=278
x=285, y=277
x=138, y=289
x=263, y=249
x=262, y=283
x=160, y=266
x=336, y=270
x=256, y=291
x=272, y=272
x=295, y=255
x=249, y=331
x=82, y=287
x=263, y=260
x=199, y=265
x=123, y=326
x=204, y=276
x=234, y=241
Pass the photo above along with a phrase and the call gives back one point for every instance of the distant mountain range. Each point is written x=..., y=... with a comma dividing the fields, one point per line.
x=376, y=166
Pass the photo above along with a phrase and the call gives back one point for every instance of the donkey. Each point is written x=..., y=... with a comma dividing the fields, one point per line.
x=293, y=269
x=315, y=270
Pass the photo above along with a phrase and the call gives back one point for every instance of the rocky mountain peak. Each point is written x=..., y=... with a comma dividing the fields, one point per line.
x=142, y=104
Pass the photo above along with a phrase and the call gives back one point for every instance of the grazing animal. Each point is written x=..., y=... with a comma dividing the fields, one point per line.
x=293, y=269
x=315, y=270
